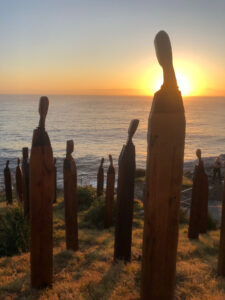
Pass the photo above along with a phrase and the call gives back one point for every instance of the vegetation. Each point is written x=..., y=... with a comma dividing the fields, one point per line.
x=86, y=196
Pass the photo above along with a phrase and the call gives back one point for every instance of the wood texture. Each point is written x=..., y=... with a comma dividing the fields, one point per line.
x=221, y=259
x=41, y=199
x=109, y=197
x=26, y=182
x=19, y=182
x=125, y=198
x=166, y=133
x=100, y=179
x=8, y=184
x=70, y=198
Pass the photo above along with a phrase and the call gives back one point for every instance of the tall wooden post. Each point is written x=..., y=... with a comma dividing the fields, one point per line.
x=125, y=198
x=70, y=198
x=8, y=184
x=166, y=134
x=26, y=182
x=41, y=199
x=109, y=197
x=100, y=179
x=55, y=181
x=19, y=182
x=199, y=200
x=221, y=260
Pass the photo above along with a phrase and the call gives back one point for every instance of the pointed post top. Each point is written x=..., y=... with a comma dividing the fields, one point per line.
x=132, y=128
x=111, y=160
x=43, y=110
x=7, y=164
x=18, y=161
x=25, y=152
x=69, y=148
x=102, y=162
x=165, y=58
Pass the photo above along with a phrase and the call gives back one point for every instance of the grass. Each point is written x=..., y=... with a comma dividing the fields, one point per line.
x=91, y=274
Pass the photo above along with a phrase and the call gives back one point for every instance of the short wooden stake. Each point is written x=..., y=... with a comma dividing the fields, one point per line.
x=125, y=198
x=100, y=179
x=19, y=182
x=109, y=195
x=70, y=198
x=41, y=199
x=166, y=134
x=8, y=184
x=26, y=182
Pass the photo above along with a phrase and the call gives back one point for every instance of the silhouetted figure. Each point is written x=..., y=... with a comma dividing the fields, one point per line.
x=166, y=134
x=125, y=197
x=199, y=200
x=221, y=260
x=41, y=198
x=8, y=184
x=70, y=198
x=26, y=179
x=19, y=182
x=109, y=195
x=55, y=181
x=100, y=179
x=216, y=169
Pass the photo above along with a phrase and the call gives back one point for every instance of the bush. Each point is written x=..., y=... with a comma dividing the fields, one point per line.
x=14, y=232
x=211, y=223
x=139, y=173
x=85, y=197
x=183, y=216
x=94, y=217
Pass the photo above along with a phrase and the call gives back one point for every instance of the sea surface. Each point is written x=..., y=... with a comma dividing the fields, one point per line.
x=98, y=125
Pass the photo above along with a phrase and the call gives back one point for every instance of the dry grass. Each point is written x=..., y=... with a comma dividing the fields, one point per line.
x=90, y=273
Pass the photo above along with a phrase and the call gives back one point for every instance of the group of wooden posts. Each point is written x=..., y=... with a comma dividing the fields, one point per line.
x=166, y=136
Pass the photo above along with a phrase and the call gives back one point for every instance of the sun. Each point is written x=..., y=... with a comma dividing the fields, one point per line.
x=182, y=82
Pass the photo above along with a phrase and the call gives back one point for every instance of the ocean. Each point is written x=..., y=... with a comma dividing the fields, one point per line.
x=98, y=125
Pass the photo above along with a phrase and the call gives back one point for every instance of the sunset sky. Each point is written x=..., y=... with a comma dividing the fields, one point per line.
x=106, y=46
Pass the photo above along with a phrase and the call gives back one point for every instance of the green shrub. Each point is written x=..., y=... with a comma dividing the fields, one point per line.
x=94, y=216
x=14, y=232
x=211, y=223
x=139, y=173
x=85, y=197
x=183, y=216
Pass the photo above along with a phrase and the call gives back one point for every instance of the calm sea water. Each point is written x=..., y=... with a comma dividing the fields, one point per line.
x=98, y=125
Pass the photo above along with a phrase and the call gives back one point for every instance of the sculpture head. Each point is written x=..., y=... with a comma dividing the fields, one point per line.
x=165, y=58
x=7, y=164
x=132, y=128
x=18, y=161
x=199, y=154
x=111, y=160
x=69, y=147
x=25, y=152
x=43, y=110
x=102, y=161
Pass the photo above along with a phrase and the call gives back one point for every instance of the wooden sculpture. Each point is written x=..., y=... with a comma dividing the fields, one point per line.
x=100, y=179
x=8, y=184
x=19, y=182
x=55, y=181
x=125, y=198
x=221, y=260
x=41, y=199
x=199, y=200
x=26, y=180
x=70, y=198
x=166, y=134
x=109, y=197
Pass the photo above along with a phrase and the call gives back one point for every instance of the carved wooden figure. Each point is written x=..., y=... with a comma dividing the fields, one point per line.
x=41, y=199
x=8, y=184
x=70, y=198
x=19, y=182
x=221, y=260
x=110, y=186
x=199, y=200
x=125, y=198
x=26, y=179
x=55, y=181
x=166, y=134
x=100, y=179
